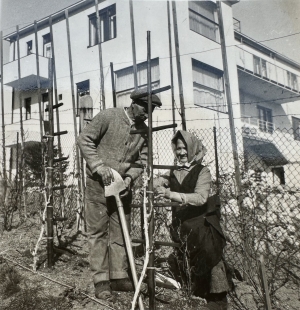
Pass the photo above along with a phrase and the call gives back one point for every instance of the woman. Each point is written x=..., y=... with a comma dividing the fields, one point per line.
x=195, y=223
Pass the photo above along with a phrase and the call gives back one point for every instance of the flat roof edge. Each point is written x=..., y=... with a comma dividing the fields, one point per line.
x=264, y=49
x=56, y=17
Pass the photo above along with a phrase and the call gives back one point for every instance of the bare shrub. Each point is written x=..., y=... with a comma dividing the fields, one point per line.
x=10, y=280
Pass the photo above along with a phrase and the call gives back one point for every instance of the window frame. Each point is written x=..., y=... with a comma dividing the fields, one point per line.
x=106, y=17
x=45, y=104
x=155, y=83
x=205, y=67
x=47, y=42
x=279, y=173
x=86, y=91
x=14, y=50
x=263, y=124
x=260, y=66
x=27, y=108
x=215, y=22
x=29, y=47
x=291, y=79
x=296, y=128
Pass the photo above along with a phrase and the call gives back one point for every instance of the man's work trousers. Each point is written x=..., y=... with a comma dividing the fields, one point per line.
x=108, y=258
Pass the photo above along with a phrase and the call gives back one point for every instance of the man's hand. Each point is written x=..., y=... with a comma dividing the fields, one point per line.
x=127, y=182
x=106, y=175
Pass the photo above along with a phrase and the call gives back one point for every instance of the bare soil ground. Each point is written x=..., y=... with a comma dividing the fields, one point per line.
x=68, y=285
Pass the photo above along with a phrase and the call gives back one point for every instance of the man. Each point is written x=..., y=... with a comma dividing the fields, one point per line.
x=107, y=143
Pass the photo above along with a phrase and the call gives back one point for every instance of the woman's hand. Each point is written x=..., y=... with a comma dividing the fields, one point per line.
x=127, y=183
x=162, y=192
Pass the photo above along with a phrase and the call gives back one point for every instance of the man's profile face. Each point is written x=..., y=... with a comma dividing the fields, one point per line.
x=140, y=110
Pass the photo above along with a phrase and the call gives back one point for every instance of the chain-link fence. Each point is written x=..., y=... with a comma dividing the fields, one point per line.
x=266, y=221
x=26, y=173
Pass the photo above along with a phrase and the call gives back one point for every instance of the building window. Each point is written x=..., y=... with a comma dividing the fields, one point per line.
x=83, y=88
x=265, y=119
x=278, y=175
x=125, y=80
x=296, y=127
x=108, y=26
x=208, y=87
x=292, y=80
x=45, y=102
x=29, y=47
x=27, y=108
x=203, y=19
x=47, y=49
x=13, y=43
x=260, y=66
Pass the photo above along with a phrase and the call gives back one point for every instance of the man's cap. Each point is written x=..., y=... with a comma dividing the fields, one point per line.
x=135, y=95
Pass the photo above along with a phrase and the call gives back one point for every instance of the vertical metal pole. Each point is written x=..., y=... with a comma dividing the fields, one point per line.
x=50, y=253
x=78, y=170
x=176, y=38
x=113, y=86
x=2, y=110
x=171, y=64
x=21, y=121
x=38, y=78
x=216, y=160
x=61, y=175
x=98, y=28
x=151, y=283
x=133, y=45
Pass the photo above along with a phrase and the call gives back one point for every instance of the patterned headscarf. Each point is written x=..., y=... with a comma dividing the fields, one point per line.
x=195, y=148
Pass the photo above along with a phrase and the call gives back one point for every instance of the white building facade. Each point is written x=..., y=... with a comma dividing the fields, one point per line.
x=264, y=85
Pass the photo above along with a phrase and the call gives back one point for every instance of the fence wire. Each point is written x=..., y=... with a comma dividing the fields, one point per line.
x=267, y=222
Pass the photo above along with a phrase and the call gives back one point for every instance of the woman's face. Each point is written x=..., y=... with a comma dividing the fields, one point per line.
x=181, y=151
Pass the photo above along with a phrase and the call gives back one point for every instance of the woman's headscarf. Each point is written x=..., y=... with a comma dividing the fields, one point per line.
x=195, y=148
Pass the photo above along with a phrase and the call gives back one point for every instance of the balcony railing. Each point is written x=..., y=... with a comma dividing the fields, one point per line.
x=237, y=25
x=28, y=70
x=257, y=123
x=267, y=70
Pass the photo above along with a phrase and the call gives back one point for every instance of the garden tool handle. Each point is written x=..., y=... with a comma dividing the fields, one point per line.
x=128, y=246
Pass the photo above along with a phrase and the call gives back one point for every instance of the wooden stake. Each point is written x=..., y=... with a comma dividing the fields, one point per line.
x=113, y=86
x=151, y=274
x=264, y=282
x=216, y=160
x=50, y=252
x=171, y=64
x=2, y=110
x=176, y=38
x=98, y=29
x=78, y=169
x=61, y=175
x=38, y=78
x=133, y=45
x=21, y=125
x=232, y=127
